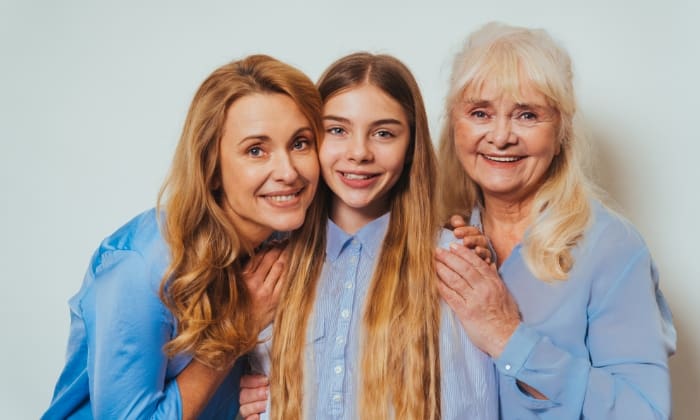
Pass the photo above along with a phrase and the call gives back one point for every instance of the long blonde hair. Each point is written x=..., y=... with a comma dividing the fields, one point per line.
x=510, y=57
x=202, y=285
x=400, y=356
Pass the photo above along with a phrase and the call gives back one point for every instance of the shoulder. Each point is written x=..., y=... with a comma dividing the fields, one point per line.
x=445, y=238
x=128, y=265
x=610, y=233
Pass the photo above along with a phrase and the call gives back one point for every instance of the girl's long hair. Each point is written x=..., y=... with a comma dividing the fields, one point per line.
x=400, y=363
x=511, y=57
x=202, y=285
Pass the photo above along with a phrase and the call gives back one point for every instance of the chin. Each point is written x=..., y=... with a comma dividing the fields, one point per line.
x=283, y=224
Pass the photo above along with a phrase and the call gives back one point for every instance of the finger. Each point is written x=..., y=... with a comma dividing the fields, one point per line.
x=273, y=276
x=457, y=220
x=451, y=297
x=471, y=236
x=277, y=290
x=453, y=278
x=254, y=381
x=252, y=410
x=252, y=395
x=483, y=253
x=484, y=269
x=266, y=261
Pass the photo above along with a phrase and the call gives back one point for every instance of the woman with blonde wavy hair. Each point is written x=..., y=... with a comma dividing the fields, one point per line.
x=571, y=311
x=173, y=298
x=363, y=335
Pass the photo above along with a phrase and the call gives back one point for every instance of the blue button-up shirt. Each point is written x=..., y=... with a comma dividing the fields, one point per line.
x=468, y=381
x=596, y=344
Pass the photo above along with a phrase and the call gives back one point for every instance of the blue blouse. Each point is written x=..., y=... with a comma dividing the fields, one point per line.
x=596, y=344
x=115, y=365
x=468, y=379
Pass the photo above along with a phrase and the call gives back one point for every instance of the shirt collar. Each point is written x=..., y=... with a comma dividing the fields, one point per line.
x=475, y=218
x=371, y=237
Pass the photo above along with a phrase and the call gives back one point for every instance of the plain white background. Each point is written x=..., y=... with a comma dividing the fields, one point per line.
x=93, y=96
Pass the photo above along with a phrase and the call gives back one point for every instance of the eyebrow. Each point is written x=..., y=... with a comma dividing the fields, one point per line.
x=344, y=120
x=266, y=138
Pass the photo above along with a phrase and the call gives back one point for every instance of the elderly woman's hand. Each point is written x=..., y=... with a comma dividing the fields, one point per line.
x=475, y=291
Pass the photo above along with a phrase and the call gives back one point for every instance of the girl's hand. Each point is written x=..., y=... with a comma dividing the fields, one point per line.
x=253, y=396
x=471, y=237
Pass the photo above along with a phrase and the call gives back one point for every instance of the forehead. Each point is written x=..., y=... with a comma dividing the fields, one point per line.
x=525, y=92
x=364, y=101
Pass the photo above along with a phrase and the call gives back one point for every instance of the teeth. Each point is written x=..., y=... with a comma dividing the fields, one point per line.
x=282, y=198
x=502, y=158
x=356, y=176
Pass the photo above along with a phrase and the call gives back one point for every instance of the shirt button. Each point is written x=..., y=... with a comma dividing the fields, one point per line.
x=340, y=340
x=345, y=314
x=354, y=242
x=353, y=259
x=507, y=367
x=338, y=370
x=337, y=397
x=348, y=285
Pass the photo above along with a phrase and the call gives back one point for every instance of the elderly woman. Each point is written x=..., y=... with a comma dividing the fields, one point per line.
x=571, y=310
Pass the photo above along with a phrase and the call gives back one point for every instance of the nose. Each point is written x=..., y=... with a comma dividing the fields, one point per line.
x=284, y=168
x=358, y=149
x=502, y=132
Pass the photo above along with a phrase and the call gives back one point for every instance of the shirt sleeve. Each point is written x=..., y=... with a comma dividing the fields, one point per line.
x=127, y=326
x=630, y=336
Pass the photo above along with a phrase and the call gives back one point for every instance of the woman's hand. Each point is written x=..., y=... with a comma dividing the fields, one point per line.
x=476, y=293
x=253, y=396
x=471, y=237
x=264, y=276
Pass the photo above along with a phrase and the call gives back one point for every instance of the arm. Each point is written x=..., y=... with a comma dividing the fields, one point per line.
x=263, y=278
x=127, y=326
x=629, y=338
x=127, y=367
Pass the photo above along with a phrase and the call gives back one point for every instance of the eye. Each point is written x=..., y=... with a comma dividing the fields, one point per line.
x=302, y=143
x=527, y=115
x=385, y=134
x=336, y=131
x=255, y=151
x=479, y=114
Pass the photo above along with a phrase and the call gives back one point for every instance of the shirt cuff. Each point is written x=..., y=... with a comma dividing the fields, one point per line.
x=517, y=350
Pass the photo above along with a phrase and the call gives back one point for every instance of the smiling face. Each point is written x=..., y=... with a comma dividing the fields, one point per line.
x=268, y=165
x=363, y=152
x=506, y=146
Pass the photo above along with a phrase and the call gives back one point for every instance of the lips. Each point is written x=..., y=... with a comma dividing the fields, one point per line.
x=502, y=159
x=355, y=176
x=358, y=179
x=283, y=198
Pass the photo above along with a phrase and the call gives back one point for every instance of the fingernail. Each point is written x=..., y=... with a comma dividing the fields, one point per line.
x=454, y=246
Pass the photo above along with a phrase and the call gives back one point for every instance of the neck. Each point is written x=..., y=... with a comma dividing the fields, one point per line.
x=350, y=219
x=505, y=223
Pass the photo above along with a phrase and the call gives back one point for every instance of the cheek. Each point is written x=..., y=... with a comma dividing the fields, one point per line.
x=308, y=167
x=465, y=137
x=328, y=154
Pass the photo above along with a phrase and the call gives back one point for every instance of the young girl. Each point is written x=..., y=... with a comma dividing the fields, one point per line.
x=168, y=303
x=367, y=336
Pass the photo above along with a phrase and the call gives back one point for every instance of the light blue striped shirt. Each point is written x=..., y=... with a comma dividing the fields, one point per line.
x=468, y=379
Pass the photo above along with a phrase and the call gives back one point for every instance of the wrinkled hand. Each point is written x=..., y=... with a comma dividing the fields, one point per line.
x=253, y=396
x=264, y=276
x=475, y=292
x=471, y=237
